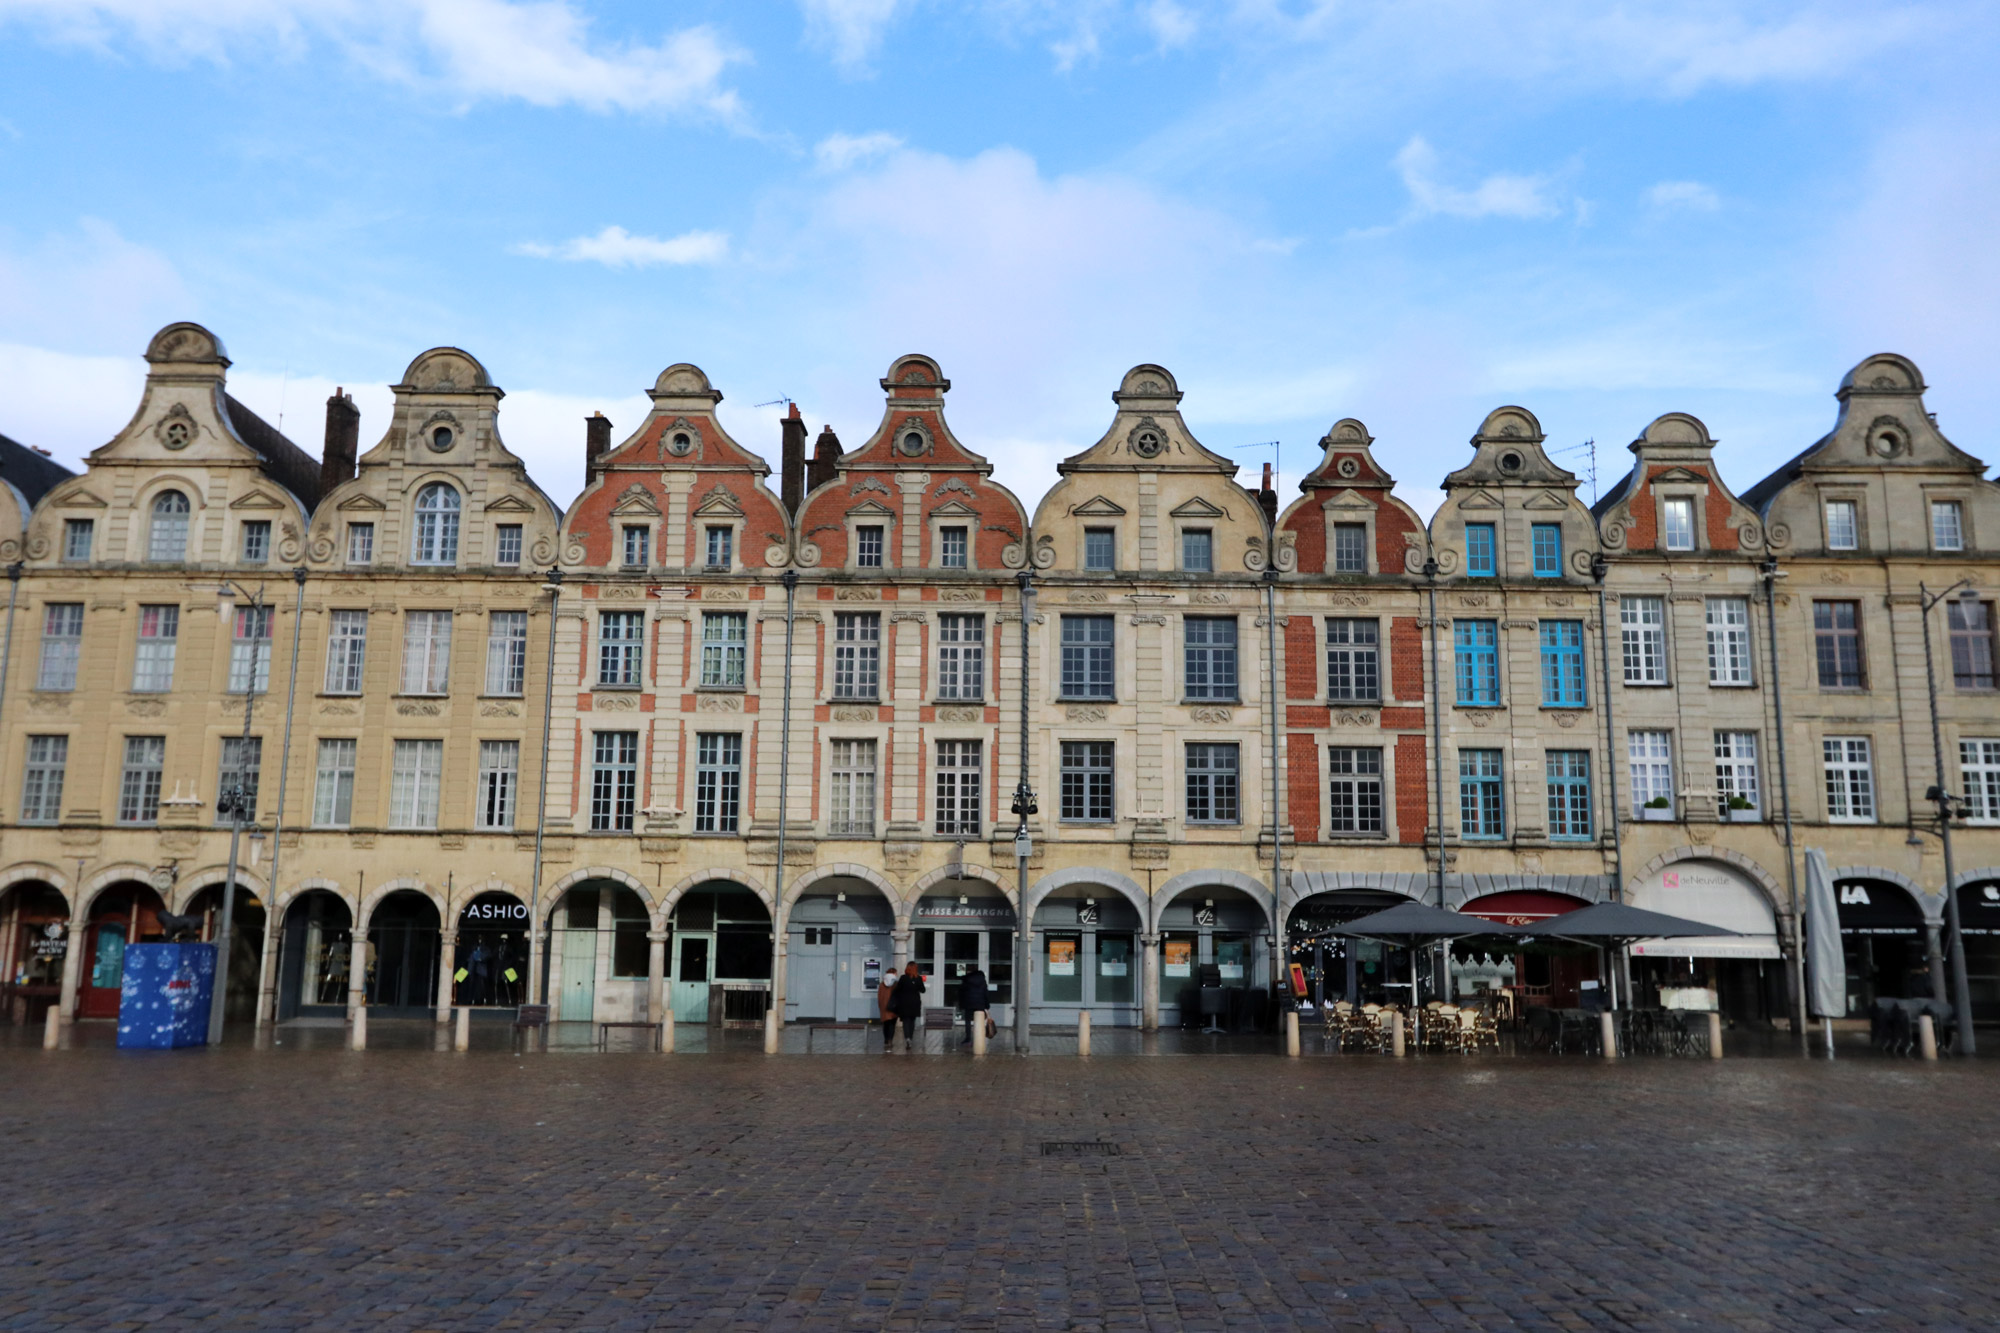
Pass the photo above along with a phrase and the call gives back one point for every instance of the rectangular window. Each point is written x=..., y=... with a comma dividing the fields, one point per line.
x=333, y=786
x=1971, y=625
x=721, y=547
x=853, y=768
x=1978, y=769
x=414, y=781
x=1850, y=780
x=360, y=543
x=1211, y=658
x=1100, y=548
x=1479, y=550
x=1087, y=662
x=78, y=536
x=1569, y=793
x=139, y=783
x=1086, y=781
x=1212, y=784
x=951, y=548
x=958, y=787
x=620, y=647
x=1837, y=645
x=1947, y=525
x=426, y=652
x=62, y=645
x=42, y=783
x=1548, y=550
x=346, y=651
x=961, y=657
x=506, y=652
x=1482, y=812
x=507, y=544
x=257, y=542
x=1350, y=548
x=1476, y=651
x=250, y=651
x=1651, y=754
x=638, y=545
x=857, y=654
x=241, y=759
x=1642, y=634
x=614, y=781
x=1562, y=664
x=725, y=643
x=718, y=781
x=1353, y=659
x=1678, y=515
x=868, y=546
x=499, y=778
x=1842, y=526
x=1728, y=641
x=1736, y=770
x=1198, y=550
x=159, y=636
x=1354, y=803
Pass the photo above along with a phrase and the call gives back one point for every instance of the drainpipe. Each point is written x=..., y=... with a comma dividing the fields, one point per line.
x=14, y=572
x=1437, y=736
x=1279, y=955
x=267, y=991
x=773, y=1018
x=1772, y=574
x=538, y=973
x=1599, y=569
x=1024, y=805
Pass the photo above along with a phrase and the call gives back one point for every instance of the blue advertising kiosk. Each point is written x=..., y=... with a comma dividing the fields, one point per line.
x=163, y=1002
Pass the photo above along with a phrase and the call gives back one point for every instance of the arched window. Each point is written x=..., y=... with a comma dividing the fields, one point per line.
x=168, y=541
x=437, y=526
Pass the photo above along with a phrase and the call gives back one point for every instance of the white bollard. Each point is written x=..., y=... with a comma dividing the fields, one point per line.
x=1083, y=1032
x=1926, y=1037
x=462, y=1038
x=1396, y=1034
x=667, y=1034
x=771, y=1030
x=1714, y=1035
x=1607, y=1034
x=52, y=1029
x=358, y=1039
x=1292, y=1033
x=979, y=1033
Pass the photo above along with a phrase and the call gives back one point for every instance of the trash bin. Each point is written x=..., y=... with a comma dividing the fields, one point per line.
x=163, y=1001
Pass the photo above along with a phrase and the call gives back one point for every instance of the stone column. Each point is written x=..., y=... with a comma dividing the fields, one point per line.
x=901, y=948
x=656, y=978
x=267, y=969
x=357, y=973
x=1149, y=983
x=447, y=959
x=72, y=972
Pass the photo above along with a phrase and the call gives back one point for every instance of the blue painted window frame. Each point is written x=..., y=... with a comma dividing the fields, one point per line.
x=1479, y=550
x=1482, y=800
x=1569, y=795
x=1476, y=650
x=1548, y=550
x=1562, y=664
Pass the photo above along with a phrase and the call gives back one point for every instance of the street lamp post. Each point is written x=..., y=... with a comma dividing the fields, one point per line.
x=1962, y=1042
x=1024, y=805
x=234, y=802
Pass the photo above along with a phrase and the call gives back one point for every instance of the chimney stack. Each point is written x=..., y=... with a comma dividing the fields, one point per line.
x=1267, y=499
x=596, y=443
x=793, y=430
x=343, y=438
x=825, y=459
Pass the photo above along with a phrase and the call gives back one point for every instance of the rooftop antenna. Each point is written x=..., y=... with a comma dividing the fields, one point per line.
x=774, y=402
x=1589, y=449
x=1277, y=459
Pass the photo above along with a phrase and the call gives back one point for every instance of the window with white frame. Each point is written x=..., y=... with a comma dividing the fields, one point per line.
x=62, y=645
x=166, y=542
x=360, y=543
x=507, y=544
x=1947, y=525
x=868, y=546
x=1354, y=792
x=1850, y=779
x=718, y=781
x=506, y=652
x=1353, y=659
x=1213, y=789
x=241, y=758
x=435, y=538
x=250, y=651
x=1651, y=755
x=1642, y=634
x=1736, y=770
x=426, y=652
x=1979, y=774
x=638, y=545
x=159, y=639
x=961, y=657
x=333, y=784
x=1350, y=548
x=1198, y=550
x=852, y=812
x=139, y=781
x=620, y=647
x=499, y=778
x=1086, y=790
x=1843, y=526
x=1728, y=641
x=614, y=781
x=958, y=788
x=857, y=654
x=257, y=542
x=1210, y=662
x=721, y=542
x=415, y=777
x=724, y=649
x=1678, y=516
x=346, y=651
x=42, y=782
x=78, y=536
x=952, y=548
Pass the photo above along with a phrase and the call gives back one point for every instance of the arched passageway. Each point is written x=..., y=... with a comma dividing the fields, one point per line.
x=598, y=953
x=124, y=914
x=490, y=957
x=314, y=954
x=720, y=949
x=1882, y=936
x=1214, y=938
x=402, y=957
x=34, y=940
x=839, y=942
x=246, y=944
x=958, y=925
x=1338, y=968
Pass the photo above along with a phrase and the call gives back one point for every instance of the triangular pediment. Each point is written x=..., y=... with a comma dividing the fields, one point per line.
x=635, y=499
x=510, y=504
x=256, y=500
x=718, y=501
x=955, y=509
x=1480, y=500
x=1097, y=507
x=1680, y=475
x=80, y=499
x=1199, y=508
x=871, y=509
x=362, y=501
x=1351, y=500
x=1546, y=500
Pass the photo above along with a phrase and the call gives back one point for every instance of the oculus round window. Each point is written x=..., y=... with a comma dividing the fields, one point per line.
x=1510, y=461
x=1348, y=467
x=913, y=442
x=1148, y=444
x=441, y=439
x=681, y=445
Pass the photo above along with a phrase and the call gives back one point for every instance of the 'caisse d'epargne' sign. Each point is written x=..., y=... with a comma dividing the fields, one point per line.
x=495, y=914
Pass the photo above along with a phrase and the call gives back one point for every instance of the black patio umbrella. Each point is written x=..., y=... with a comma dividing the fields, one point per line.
x=1614, y=925
x=1414, y=925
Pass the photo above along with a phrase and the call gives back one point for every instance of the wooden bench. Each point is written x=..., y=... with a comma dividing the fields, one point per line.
x=530, y=1018
x=604, y=1031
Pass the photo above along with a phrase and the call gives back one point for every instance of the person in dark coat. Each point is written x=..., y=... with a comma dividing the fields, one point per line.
x=974, y=999
x=906, y=1002
x=885, y=990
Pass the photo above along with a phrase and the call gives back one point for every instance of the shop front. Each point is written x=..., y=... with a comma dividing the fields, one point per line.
x=122, y=915
x=1338, y=968
x=1742, y=975
x=246, y=945
x=314, y=952
x=401, y=962
x=1537, y=973
x=599, y=955
x=839, y=943
x=1979, y=918
x=490, y=963
x=1214, y=939
x=1086, y=944
x=34, y=941
x=952, y=933
x=1882, y=935
x=721, y=938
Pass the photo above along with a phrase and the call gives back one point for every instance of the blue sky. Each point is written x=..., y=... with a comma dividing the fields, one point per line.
x=1409, y=213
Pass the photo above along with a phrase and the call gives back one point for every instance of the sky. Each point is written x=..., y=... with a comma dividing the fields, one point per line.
x=1407, y=212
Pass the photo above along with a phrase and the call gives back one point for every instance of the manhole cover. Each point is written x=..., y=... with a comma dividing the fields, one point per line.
x=1090, y=1149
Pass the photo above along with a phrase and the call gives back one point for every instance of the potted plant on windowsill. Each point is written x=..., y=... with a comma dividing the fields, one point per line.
x=1657, y=810
x=1740, y=811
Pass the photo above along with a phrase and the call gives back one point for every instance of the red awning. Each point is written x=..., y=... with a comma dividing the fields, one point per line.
x=1522, y=907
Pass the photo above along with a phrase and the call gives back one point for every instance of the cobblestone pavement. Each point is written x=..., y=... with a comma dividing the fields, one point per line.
x=308, y=1187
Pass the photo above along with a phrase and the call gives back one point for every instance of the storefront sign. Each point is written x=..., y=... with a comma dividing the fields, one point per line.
x=988, y=908
x=1979, y=909
x=1062, y=958
x=1875, y=908
x=495, y=914
x=52, y=943
x=1179, y=955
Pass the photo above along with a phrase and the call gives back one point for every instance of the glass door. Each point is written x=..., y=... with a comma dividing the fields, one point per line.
x=1176, y=967
x=1062, y=977
x=691, y=977
x=1114, y=969
x=961, y=954
x=107, y=970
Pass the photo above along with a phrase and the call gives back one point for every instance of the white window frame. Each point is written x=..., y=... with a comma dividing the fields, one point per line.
x=159, y=641
x=621, y=649
x=725, y=650
x=1842, y=517
x=139, y=779
x=1340, y=529
x=614, y=781
x=42, y=779
x=959, y=810
x=1204, y=539
x=718, y=781
x=346, y=651
x=725, y=534
x=1355, y=805
x=499, y=784
x=851, y=796
x=961, y=535
x=254, y=541
x=1979, y=778
x=1736, y=771
x=1948, y=536
x=415, y=782
x=635, y=539
x=62, y=646
x=426, y=652
x=1848, y=764
x=1649, y=768
x=1729, y=640
x=79, y=538
x=360, y=543
x=333, y=782
x=857, y=655
x=1642, y=639
x=167, y=532
x=506, y=653
x=508, y=543
x=250, y=650
x=961, y=669
x=1677, y=520
x=434, y=534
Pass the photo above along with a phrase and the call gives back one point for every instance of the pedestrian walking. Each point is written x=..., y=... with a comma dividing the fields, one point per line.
x=974, y=999
x=906, y=1002
x=884, y=990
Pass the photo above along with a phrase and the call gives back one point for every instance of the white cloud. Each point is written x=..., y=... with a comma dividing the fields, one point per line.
x=614, y=247
x=838, y=152
x=850, y=29
x=537, y=51
x=1171, y=24
x=89, y=288
x=1690, y=195
x=1499, y=195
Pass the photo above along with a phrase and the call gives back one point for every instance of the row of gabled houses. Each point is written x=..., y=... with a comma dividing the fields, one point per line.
x=501, y=751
